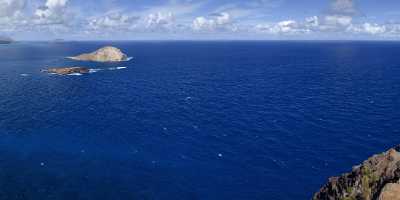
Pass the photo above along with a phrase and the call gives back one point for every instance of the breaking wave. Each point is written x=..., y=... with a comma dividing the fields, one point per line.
x=116, y=68
x=75, y=74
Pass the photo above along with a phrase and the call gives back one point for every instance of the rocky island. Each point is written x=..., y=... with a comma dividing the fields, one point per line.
x=67, y=70
x=105, y=54
x=377, y=178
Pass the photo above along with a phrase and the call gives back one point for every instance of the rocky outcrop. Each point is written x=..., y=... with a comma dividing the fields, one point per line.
x=375, y=179
x=105, y=54
x=391, y=191
x=67, y=70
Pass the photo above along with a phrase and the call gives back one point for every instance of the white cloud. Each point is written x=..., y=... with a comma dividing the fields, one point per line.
x=392, y=31
x=245, y=18
x=339, y=17
x=53, y=12
x=12, y=15
x=337, y=20
x=328, y=24
x=368, y=28
x=222, y=18
x=215, y=22
x=11, y=8
x=178, y=7
x=287, y=27
x=374, y=28
x=202, y=23
x=122, y=23
x=160, y=20
x=235, y=10
x=344, y=7
x=112, y=21
x=312, y=22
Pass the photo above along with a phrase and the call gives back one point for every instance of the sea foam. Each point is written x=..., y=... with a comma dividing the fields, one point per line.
x=75, y=74
x=116, y=68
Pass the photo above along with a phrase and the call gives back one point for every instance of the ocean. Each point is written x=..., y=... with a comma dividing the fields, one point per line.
x=238, y=120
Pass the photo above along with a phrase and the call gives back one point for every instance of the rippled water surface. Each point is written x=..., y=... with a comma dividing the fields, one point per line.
x=194, y=120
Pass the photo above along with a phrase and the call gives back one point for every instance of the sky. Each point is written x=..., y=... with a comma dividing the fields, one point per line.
x=200, y=19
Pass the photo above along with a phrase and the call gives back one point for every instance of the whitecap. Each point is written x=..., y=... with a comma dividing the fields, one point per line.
x=129, y=58
x=24, y=75
x=75, y=74
x=116, y=68
x=94, y=70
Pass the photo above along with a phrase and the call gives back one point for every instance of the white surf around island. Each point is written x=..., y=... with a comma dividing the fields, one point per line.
x=94, y=70
x=90, y=71
x=116, y=68
x=75, y=74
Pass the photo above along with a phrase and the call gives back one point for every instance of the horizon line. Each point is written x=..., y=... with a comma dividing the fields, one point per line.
x=213, y=40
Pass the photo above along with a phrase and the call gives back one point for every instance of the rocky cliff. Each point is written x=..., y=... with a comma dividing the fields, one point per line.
x=105, y=54
x=375, y=179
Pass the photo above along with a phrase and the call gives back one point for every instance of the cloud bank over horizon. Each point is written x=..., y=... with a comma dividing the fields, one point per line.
x=199, y=19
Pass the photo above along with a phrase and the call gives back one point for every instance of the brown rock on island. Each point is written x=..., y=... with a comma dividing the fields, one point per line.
x=67, y=70
x=375, y=179
x=105, y=54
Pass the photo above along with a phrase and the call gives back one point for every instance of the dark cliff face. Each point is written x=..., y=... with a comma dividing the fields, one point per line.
x=375, y=179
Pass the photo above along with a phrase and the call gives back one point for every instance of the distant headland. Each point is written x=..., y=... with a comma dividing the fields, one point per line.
x=6, y=40
x=105, y=54
x=58, y=40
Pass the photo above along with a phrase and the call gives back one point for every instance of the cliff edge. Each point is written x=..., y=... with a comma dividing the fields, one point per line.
x=375, y=179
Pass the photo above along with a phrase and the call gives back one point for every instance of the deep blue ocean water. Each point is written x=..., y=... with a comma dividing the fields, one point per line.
x=194, y=120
